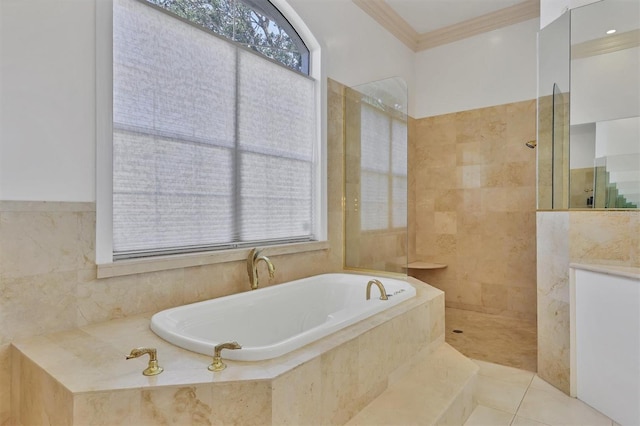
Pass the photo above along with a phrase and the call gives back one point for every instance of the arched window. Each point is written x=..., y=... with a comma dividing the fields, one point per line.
x=256, y=24
x=214, y=145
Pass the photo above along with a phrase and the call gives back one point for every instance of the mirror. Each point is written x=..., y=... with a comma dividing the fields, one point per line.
x=589, y=108
x=375, y=190
x=605, y=105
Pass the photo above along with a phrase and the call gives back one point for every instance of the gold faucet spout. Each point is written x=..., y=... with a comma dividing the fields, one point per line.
x=383, y=292
x=255, y=256
x=217, y=364
x=153, y=368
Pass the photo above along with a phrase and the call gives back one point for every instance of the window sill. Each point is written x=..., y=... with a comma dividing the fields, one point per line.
x=162, y=263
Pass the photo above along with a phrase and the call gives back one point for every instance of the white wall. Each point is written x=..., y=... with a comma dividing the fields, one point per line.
x=493, y=68
x=47, y=86
x=582, y=146
x=47, y=101
x=618, y=137
x=358, y=49
x=605, y=87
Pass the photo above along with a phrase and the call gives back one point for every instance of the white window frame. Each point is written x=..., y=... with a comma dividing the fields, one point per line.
x=107, y=267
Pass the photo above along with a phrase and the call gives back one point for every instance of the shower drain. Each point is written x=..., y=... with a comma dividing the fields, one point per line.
x=457, y=331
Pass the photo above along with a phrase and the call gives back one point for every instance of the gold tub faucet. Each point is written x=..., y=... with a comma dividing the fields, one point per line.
x=255, y=256
x=383, y=292
x=153, y=368
x=217, y=364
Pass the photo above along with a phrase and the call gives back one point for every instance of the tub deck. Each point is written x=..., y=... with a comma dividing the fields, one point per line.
x=81, y=376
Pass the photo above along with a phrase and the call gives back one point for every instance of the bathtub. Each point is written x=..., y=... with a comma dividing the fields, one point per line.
x=273, y=321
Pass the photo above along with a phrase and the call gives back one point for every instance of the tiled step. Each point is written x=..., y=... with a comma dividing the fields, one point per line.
x=437, y=389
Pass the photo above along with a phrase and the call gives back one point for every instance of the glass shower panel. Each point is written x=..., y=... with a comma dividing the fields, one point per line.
x=553, y=118
x=560, y=144
x=375, y=190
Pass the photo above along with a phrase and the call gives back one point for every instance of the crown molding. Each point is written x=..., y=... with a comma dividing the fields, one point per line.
x=384, y=14
x=608, y=44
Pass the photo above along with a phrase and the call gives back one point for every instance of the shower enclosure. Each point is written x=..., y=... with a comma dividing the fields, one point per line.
x=375, y=203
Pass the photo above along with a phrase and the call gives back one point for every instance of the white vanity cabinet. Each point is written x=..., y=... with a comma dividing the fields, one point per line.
x=605, y=340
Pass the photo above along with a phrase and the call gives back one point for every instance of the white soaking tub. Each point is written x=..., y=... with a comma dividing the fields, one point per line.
x=273, y=321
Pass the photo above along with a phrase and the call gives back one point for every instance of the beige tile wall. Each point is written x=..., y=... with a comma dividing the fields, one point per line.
x=473, y=191
x=597, y=237
x=48, y=274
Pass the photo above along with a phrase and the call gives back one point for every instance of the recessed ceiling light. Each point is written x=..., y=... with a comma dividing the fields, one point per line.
x=611, y=31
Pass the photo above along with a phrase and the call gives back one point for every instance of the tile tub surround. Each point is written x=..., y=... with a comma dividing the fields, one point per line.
x=48, y=277
x=565, y=237
x=473, y=185
x=80, y=376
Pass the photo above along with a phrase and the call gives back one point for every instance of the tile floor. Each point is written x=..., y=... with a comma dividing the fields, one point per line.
x=508, y=390
x=492, y=338
x=510, y=396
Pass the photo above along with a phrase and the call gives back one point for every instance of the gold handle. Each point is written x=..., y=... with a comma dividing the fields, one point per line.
x=217, y=364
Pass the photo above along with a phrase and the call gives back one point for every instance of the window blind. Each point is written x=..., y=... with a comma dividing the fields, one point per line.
x=383, y=170
x=212, y=145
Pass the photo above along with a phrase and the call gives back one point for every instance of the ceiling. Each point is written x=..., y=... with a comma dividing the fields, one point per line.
x=429, y=15
x=424, y=24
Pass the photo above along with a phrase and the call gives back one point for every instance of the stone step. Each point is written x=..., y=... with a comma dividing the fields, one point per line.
x=436, y=389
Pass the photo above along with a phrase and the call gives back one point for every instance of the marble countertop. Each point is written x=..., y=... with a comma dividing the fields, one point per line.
x=621, y=271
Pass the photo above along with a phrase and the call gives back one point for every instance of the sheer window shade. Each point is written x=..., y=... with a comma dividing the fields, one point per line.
x=212, y=145
x=383, y=176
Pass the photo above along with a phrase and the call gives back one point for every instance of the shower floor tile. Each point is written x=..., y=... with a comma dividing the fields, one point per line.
x=492, y=338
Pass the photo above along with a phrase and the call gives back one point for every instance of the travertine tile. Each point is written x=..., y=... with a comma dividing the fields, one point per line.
x=180, y=405
x=501, y=395
x=340, y=383
x=436, y=318
x=211, y=281
x=424, y=393
x=485, y=416
x=489, y=189
x=52, y=296
x=51, y=405
x=106, y=299
x=5, y=384
x=505, y=374
x=248, y=403
x=295, y=395
x=522, y=421
x=553, y=409
x=553, y=342
x=107, y=408
x=446, y=222
x=42, y=242
x=552, y=284
x=605, y=237
x=485, y=337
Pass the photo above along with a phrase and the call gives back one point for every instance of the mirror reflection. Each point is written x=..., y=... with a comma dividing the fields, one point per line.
x=589, y=108
x=605, y=105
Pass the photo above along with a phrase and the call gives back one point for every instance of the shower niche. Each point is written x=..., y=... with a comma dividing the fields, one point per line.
x=375, y=170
